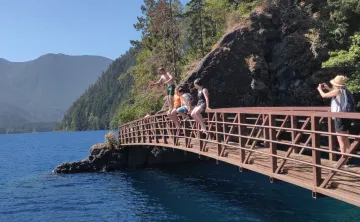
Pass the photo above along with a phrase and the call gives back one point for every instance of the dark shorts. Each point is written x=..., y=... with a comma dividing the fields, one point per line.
x=202, y=106
x=342, y=124
x=171, y=90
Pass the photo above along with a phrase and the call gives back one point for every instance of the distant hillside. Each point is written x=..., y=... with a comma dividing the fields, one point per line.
x=95, y=108
x=11, y=115
x=42, y=89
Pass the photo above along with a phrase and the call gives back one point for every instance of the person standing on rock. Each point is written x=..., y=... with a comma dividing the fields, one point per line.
x=341, y=101
x=183, y=109
x=168, y=79
x=202, y=105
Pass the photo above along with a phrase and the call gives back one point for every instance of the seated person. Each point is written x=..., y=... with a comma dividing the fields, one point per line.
x=177, y=99
x=183, y=109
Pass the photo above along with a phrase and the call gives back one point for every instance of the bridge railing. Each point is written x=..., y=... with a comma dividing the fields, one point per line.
x=282, y=140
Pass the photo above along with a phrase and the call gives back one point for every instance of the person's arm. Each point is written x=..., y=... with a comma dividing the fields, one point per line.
x=170, y=79
x=187, y=104
x=330, y=94
x=157, y=83
x=325, y=86
x=206, y=95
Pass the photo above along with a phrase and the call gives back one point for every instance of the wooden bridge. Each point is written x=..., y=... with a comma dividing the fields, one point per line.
x=293, y=144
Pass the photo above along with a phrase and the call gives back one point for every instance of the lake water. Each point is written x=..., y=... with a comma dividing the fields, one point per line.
x=29, y=191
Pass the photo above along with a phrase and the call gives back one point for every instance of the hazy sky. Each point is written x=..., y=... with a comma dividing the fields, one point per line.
x=31, y=28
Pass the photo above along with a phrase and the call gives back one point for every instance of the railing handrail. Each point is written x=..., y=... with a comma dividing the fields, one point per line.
x=298, y=111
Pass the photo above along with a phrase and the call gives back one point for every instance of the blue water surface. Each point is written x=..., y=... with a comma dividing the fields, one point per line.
x=29, y=191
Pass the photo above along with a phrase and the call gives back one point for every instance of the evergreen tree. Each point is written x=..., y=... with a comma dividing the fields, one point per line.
x=160, y=30
x=197, y=24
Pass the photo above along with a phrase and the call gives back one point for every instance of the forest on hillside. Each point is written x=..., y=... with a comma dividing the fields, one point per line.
x=94, y=109
x=177, y=37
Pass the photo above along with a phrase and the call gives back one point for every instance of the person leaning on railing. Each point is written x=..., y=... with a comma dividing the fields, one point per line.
x=341, y=101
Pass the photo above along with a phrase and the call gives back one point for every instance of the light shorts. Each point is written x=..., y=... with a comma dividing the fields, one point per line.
x=182, y=109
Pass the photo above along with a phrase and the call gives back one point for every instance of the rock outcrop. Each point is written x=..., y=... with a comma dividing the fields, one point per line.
x=104, y=159
x=267, y=60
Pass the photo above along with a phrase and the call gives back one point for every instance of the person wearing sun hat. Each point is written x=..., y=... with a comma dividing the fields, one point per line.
x=338, y=94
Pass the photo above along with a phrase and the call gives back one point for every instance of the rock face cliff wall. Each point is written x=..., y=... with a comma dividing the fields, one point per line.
x=265, y=61
x=104, y=159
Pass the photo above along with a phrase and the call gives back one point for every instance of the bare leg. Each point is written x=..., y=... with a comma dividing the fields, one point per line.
x=344, y=143
x=341, y=143
x=175, y=119
x=171, y=102
x=202, y=124
x=196, y=114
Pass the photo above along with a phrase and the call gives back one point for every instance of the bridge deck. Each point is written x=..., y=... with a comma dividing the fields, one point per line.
x=255, y=150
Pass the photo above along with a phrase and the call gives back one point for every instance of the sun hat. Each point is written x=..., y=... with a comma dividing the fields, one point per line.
x=338, y=81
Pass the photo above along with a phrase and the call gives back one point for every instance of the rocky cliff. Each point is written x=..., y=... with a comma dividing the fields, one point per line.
x=265, y=59
x=102, y=158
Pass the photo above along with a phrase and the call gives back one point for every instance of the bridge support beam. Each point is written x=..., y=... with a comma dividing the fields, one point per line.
x=272, y=180
x=242, y=140
x=241, y=170
x=273, y=146
x=316, y=195
x=316, y=158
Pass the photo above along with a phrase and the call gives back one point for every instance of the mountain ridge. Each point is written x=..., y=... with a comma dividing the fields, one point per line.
x=53, y=54
x=47, y=86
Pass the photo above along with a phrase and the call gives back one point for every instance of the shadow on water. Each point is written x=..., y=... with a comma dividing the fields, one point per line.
x=212, y=192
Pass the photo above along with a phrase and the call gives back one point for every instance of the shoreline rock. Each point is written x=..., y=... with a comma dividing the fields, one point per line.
x=103, y=158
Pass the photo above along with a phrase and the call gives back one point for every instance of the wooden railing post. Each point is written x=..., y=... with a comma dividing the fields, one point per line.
x=186, y=134
x=119, y=136
x=124, y=135
x=148, y=130
x=294, y=125
x=316, y=155
x=163, y=129
x=143, y=131
x=153, y=125
x=332, y=139
x=242, y=132
x=223, y=146
x=266, y=133
x=217, y=129
x=134, y=133
x=127, y=131
x=272, y=145
x=201, y=143
x=139, y=131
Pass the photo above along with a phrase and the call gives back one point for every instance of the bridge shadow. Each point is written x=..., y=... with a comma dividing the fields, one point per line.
x=204, y=191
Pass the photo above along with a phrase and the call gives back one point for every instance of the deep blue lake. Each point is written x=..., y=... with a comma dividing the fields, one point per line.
x=29, y=191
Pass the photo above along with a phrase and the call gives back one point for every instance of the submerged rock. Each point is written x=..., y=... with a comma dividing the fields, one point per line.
x=104, y=159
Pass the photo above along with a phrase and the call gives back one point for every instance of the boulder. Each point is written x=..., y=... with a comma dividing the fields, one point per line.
x=264, y=61
x=104, y=159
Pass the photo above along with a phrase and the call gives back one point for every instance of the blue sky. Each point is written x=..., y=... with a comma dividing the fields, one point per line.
x=31, y=28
